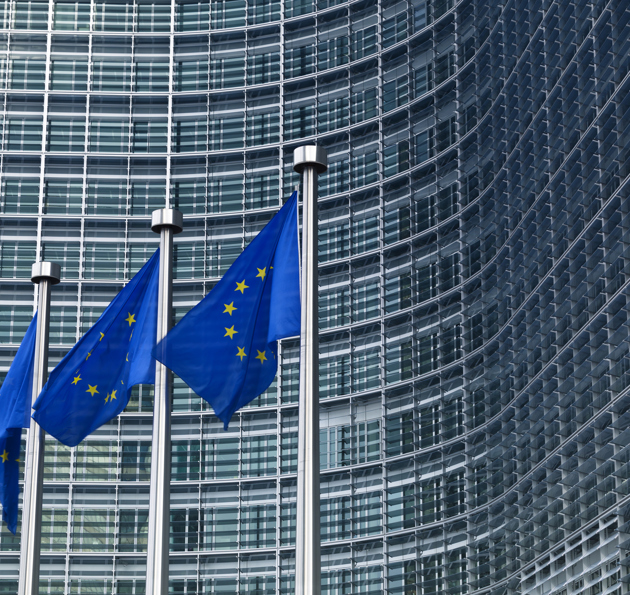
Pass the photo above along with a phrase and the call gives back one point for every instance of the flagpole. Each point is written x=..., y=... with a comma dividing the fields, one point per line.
x=166, y=222
x=309, y=160
x=46, y=274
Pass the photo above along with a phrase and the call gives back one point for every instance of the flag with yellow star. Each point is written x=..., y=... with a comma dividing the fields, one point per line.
x=92, y=383
x=15, y=409
x=225, y=348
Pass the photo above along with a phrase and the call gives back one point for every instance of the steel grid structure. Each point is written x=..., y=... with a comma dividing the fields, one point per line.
x=474, y=276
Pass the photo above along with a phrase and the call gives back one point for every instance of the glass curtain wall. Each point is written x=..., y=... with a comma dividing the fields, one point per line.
x=474, y=250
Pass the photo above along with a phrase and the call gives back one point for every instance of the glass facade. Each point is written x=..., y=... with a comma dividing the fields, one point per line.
x=474, y=255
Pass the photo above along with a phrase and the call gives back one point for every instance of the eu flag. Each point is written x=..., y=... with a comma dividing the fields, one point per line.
x=15, y=409
x=92, y=383
x=225, y=347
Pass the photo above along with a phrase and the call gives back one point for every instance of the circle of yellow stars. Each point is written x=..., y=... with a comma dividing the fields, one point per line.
x=93, y=390
x=230, y=308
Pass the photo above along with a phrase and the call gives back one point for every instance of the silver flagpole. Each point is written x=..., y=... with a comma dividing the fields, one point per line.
x=310, y=161
x=46, y=274
x=166, y=222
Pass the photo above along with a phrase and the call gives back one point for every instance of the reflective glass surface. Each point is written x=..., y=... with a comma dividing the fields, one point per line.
x=474, y=253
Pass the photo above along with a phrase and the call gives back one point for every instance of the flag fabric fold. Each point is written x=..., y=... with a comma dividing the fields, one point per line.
x=225, y=348
x=92, y=383
x=15, y=408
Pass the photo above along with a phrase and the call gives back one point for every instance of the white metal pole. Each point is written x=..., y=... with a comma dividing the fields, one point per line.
x=166, y=222
x=310, y=161
x=46, y=274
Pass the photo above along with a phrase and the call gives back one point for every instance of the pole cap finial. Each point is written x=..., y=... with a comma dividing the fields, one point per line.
x=310, y=155
x=46, y=271
x=167, y=218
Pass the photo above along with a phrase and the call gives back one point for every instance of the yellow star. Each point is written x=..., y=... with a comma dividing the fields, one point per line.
x=230, y=332
x=241, y=353
x=241, y=286
x=127, y=358
x=112, y=396
x=130, y=319
x=5, y=456
x=261, y=356
x=92, y=390
x=76, y=379
x=88, y=355
x=102, y=335
x=229, y=308
x=107, y=398
x=262, y=273
x=131, y=335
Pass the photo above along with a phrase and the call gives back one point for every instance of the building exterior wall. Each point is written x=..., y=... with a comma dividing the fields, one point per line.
x=474, y=268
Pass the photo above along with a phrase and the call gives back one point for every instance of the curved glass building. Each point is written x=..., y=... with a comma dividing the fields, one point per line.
x=474, y=257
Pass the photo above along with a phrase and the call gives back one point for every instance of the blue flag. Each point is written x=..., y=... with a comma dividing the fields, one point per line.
x=15, y=409
x=225, y=347
x=92, y=383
